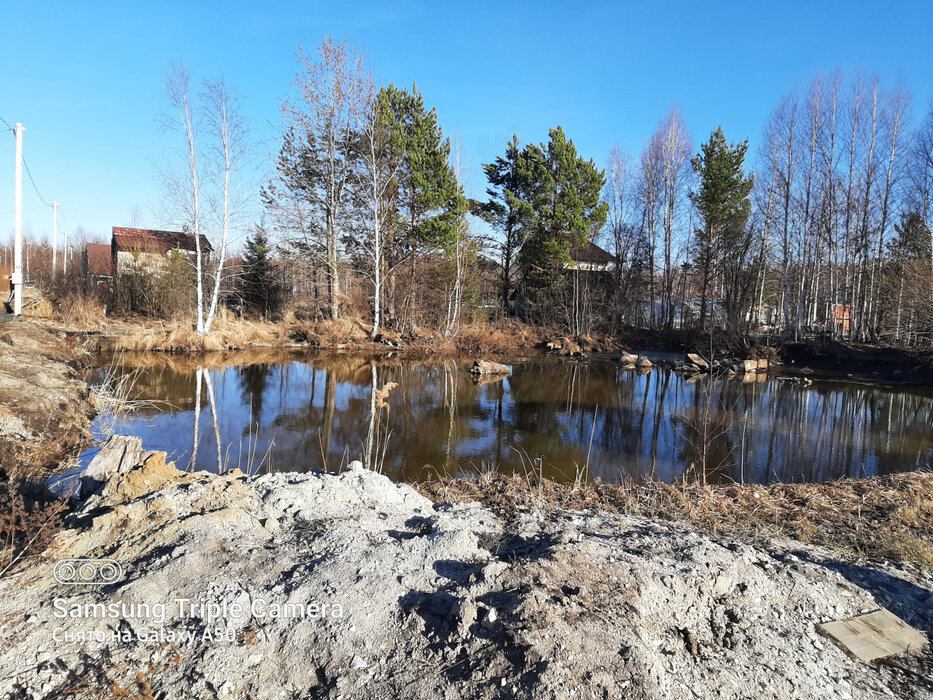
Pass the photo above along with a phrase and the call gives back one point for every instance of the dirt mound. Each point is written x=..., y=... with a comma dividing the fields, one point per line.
x=316, y=585
x=44, y=407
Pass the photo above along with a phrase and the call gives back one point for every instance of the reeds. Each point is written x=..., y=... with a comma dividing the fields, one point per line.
x=113, y=398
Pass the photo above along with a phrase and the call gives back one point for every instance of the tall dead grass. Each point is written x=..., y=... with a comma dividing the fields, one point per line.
x=227, y=333
x=81, y=312
x=346, y=333
x=888, y=516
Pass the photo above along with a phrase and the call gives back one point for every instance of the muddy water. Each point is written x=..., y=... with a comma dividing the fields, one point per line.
x=556, y=417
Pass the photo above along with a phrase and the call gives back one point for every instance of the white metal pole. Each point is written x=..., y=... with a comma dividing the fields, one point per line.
x=54, y=236
x=17, y=278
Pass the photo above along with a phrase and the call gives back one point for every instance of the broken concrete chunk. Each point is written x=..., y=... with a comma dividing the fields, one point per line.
x=141, y=479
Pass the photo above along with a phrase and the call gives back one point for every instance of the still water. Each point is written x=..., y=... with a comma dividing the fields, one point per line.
x=561, y=418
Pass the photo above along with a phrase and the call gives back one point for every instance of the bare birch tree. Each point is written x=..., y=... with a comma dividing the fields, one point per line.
x=377, y=188
x=675, y=168
x=185, y=192
x=228, y=155
x=317, y=163
x=210, y=196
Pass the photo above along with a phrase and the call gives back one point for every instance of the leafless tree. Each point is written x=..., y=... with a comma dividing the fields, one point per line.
x=675, y=148
x=321, y=119
x=209, y=196
x=377, y=188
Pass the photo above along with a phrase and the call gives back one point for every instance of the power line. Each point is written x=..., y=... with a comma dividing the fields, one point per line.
x=29, y=173
x=65, y=218
x=10, y=211
x=7, y=123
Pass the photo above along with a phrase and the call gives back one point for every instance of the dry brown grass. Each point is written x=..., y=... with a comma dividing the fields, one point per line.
x=343, y=332
x=227, y=333
x=498, y=337
x=38, y=308
x=80, y=312
x=889, y=516
x=346, y=333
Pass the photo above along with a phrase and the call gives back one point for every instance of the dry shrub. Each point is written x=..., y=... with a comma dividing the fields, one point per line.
x=497, y=337
x=28, y=522
x=78, y=310
x=888, y=516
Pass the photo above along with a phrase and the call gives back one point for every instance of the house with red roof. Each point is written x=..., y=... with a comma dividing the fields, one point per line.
x=151, y=247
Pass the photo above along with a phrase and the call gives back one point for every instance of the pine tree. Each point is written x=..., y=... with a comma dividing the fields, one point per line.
x=508, y=177
x=566, y=211
x=429, y=202
x=722, y=203
x=258, y=288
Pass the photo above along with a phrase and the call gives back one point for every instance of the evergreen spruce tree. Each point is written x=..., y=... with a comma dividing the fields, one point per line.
x=722, y=203
x=257, y=286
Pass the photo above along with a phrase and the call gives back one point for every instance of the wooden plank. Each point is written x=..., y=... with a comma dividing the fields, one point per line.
x=874, y=635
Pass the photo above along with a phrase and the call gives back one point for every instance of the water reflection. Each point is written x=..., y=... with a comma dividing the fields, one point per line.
x=418, y=418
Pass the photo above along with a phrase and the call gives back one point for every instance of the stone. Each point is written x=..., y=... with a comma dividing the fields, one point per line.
x=643, y=362
x=627, y=358
x=463, y=615
x=483, y=367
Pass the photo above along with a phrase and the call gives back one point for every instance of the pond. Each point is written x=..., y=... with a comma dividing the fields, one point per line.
x=563, y=419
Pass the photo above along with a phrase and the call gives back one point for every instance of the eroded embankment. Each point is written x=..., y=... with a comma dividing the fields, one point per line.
x=434, y=601
x=45, y=411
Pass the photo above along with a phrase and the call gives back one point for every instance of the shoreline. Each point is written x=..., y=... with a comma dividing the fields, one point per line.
x=833, y=359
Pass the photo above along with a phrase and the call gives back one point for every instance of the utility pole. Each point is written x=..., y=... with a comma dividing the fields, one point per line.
x=54, y=235
x=17, y=278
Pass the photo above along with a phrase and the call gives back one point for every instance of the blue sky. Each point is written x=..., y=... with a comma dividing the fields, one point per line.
x=85, y=78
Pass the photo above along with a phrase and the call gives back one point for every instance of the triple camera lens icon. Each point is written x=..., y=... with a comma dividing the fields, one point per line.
x=88, y=572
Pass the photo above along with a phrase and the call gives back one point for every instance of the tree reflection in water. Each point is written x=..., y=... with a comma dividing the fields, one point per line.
x=315, y=411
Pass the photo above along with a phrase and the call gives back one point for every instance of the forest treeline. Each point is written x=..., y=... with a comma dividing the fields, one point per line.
x=826, y=229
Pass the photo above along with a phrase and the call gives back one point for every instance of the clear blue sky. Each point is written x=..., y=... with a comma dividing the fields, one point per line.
x=85, y=78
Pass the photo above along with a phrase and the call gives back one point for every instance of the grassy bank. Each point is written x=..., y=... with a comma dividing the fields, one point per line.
x=889, y=517
x=231, y=333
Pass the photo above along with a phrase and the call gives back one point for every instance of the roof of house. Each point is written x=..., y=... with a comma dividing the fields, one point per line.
x=98, y=259
x=150, y=240
x=591, y=253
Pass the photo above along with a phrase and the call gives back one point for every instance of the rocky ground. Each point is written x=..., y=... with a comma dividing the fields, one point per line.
x=434, y=601
x=45, y=411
